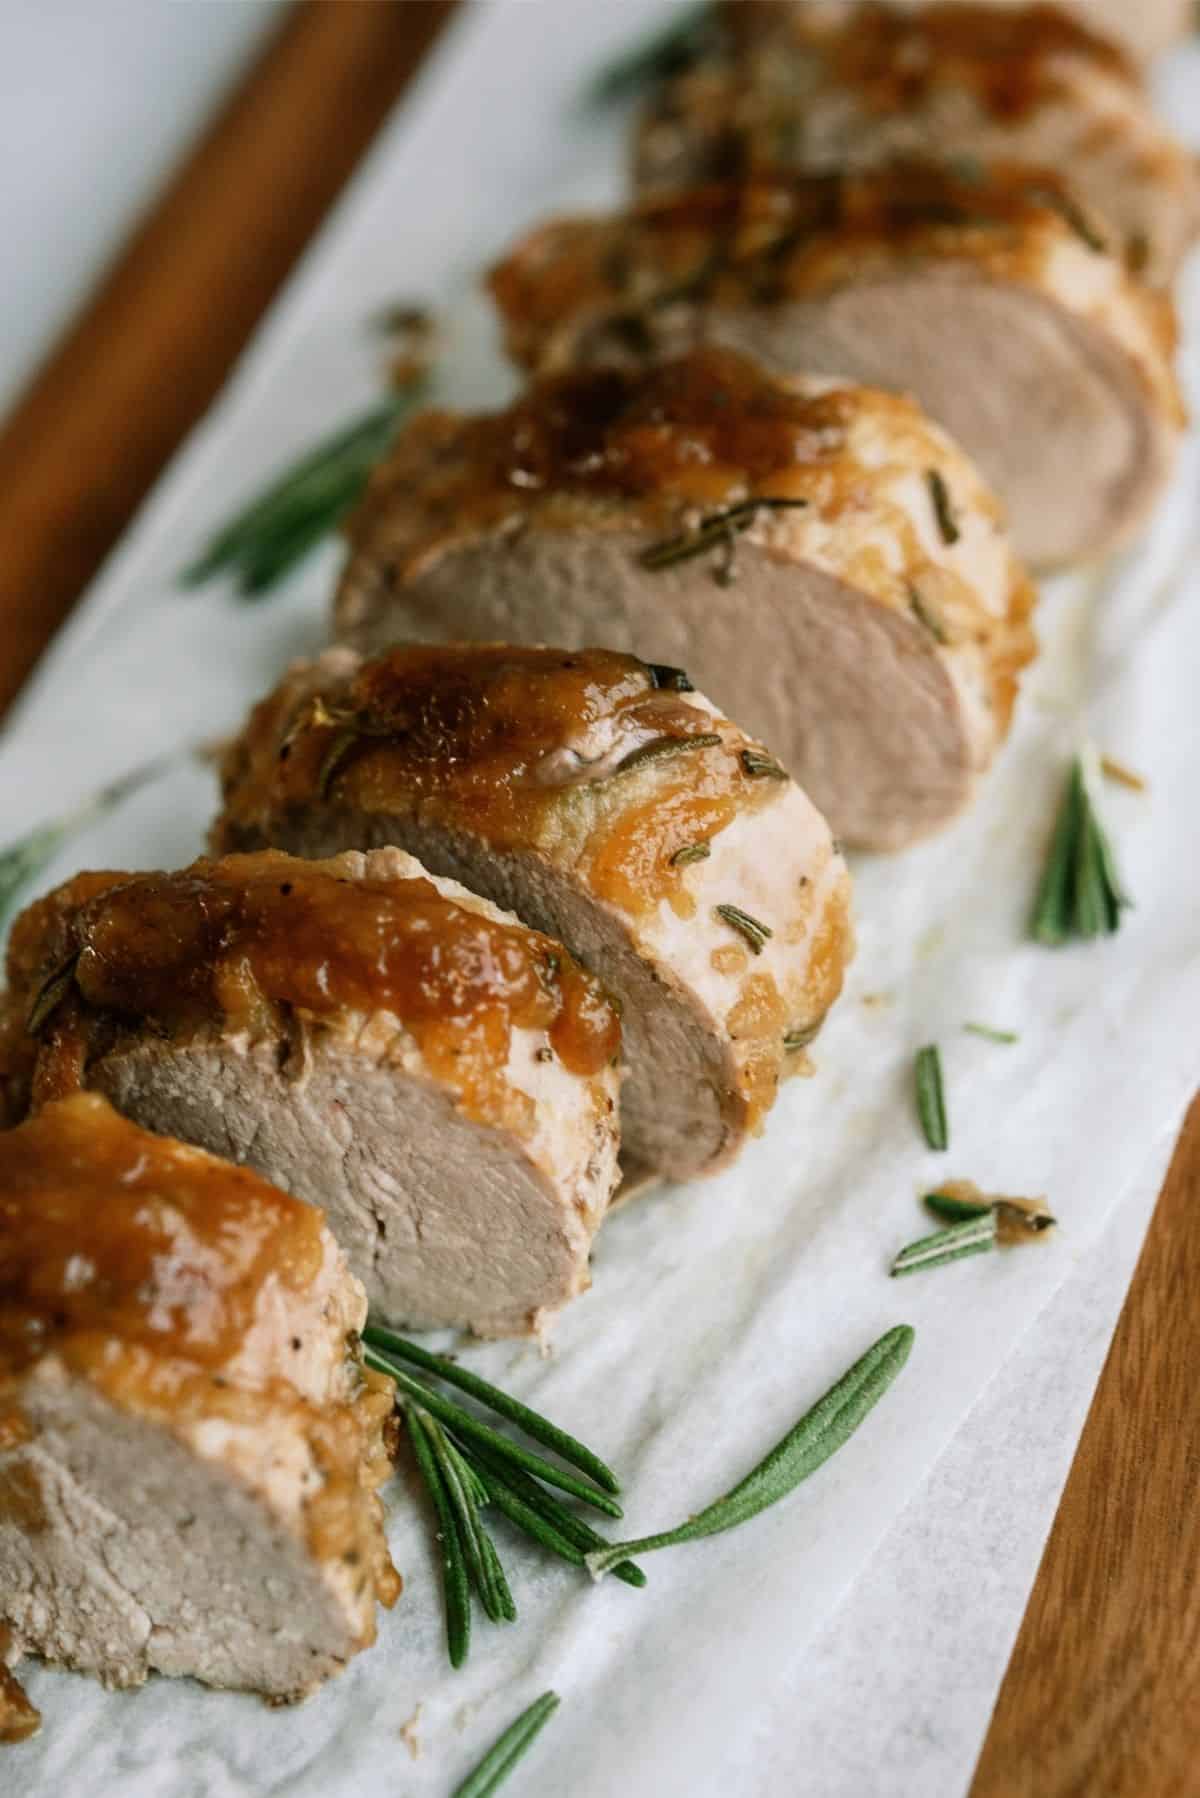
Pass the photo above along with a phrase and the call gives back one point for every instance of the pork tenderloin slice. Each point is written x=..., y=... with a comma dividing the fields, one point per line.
x=189, y=1443
x=377, y=1041
x=609, y=811
x=872, y=634
x=1000, y=312
x=852, y=87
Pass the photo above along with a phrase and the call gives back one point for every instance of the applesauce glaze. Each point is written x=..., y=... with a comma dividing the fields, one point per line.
x=525, y=748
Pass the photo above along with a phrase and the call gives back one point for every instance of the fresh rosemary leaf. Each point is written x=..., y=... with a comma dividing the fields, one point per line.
x=539, y=1428
x=464, y=1424
x=1080, y=894
x=974, y=1237
x=943, y=506
x=713, y=531
x=274, y=532
x=754, y=933
x=810, y=1443
x=667, y=53
x=956, y=1210
x=666, y=746
x=761, y=766
x=463, y=1488
x=691, y=852
x=931, y=1098
x=545, y=1508
x=991, y=1035
x=504, y=1754
x=455, y=1583
x=21, y=862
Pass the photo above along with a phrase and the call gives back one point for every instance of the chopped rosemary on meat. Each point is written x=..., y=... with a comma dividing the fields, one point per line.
x=673, y=680
x=991, y=1035
x=691, y=852
x=753, y=932
x=507, y=1750
x=795, y=1040
x=50, y=995
x=975, y=1237
x=977, y=1224
x=931, y=1097
x=269, y=537
x=1080, y=894
x=666, y=746
x=807, y=1445
x=667, y=52
x=466, y=1466
x=1112, y=769
x=943, y=507
x=925, y=616
x=716, y=530
x=761, y=766
x=21, y=862
x=1072, y=215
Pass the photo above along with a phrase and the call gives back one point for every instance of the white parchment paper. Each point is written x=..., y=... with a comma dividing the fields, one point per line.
x=721, y=1311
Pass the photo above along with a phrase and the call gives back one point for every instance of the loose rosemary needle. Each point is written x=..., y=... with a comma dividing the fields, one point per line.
x=1080, y=894
x=504, y=1754
x=931, y=1097
x=810, y=1443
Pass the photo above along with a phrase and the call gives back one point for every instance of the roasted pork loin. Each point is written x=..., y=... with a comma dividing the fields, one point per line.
x=609, y=805
x=818, y=556
x=835, y=89
x=440, y=1079
x=189, y=1443
x=993, y=302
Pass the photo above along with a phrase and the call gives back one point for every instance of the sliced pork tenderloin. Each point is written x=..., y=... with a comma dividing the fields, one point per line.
x=993, y=303
x=831, y=89
x=819, y=557
x=440, y=1079
x=189, y=1443
x=607, y=804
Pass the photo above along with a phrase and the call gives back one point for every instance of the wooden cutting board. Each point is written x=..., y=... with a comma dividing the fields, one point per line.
x=1102, y=1695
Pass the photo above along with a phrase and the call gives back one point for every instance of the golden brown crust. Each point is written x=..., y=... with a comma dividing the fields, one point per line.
x=251, y=942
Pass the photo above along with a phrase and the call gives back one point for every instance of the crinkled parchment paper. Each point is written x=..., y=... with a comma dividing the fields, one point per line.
x=721, y=1311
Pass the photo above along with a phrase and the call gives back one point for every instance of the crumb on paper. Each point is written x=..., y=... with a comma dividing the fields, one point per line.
x=1112, y=769
x=877, y=1001
x=409, y=1736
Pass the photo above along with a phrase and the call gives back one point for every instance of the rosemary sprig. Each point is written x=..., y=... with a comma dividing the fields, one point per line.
x=536, y=1511
x=462, y=1423
x=943, y=506
x=991, y=1035
x=819, y=1433
x=751, y=930
x=668, y=52
x=1080, y=894
x=21, y=862
x=539, y=1428
x=455, y=1583
x=714, y=530
x=266, y=540
x=931, y=1097
x=504, y=1754
x=974, y=1237
x=467, y=1492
